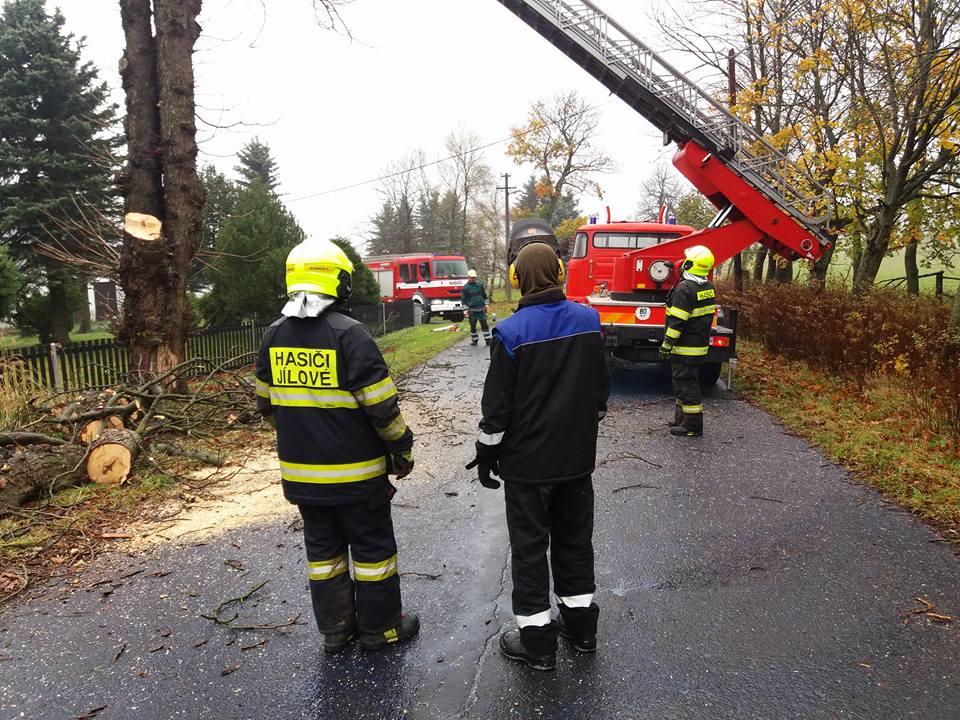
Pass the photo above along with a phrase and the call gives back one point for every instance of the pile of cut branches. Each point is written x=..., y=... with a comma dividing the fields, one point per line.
x=103, y=436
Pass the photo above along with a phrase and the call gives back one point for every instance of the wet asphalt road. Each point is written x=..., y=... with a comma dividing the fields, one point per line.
x=739, y=576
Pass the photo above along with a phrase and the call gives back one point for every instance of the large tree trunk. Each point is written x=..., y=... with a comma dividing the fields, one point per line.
x=874, y=250
x=162, y=180
x=758, y=262
x=60, y=320
x=738, y=272
x=910, y=267
x=952, y=345
x=785, y=271
x=771, y=266
x=86, y=320
x=40, y=469
x=177, y=33
x=818, y=273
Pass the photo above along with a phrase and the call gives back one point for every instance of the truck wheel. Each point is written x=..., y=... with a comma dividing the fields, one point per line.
x=709, y=374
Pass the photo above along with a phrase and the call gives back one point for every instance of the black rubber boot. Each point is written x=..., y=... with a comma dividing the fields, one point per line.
x=407, y=629
x=511, y=646
x=334, y=643
x=580, y=644
x=688, y=430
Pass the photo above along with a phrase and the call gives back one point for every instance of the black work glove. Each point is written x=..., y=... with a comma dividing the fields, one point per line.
x=487, y=464
x=665, y=351
x=401, y=464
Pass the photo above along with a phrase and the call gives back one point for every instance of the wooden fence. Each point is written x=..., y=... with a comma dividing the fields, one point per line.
x=97, y=364
x=938, y=278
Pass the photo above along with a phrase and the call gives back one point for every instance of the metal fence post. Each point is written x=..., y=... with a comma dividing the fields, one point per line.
x=383, y=314
x=253, y=333
x=55, y=363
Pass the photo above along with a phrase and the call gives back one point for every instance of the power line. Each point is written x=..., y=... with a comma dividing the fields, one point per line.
x=402, y=172
x=370, y=181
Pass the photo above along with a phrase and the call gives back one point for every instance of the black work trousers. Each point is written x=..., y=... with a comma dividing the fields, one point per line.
x=686, y=388
x=360, y=535
x=559, y=517
x=480, y=317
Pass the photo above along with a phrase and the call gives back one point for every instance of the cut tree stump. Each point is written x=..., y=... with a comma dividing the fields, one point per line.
x=91, y=430
x=26, y=475
x=111, y=456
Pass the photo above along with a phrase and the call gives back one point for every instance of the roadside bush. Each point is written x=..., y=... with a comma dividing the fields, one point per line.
x=856, y=336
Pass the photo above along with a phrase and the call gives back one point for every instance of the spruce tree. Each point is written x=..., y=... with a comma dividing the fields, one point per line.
x=252, y=247
x=218, y=209
x=256, y=163
x=57, y=144
x=10, y=282
x=366, y=290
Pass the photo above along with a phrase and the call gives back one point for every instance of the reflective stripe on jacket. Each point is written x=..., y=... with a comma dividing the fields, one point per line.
x=325, y=382
x=690, y=310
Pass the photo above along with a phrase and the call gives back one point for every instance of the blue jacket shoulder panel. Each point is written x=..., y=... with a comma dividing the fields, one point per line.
x=539, y=323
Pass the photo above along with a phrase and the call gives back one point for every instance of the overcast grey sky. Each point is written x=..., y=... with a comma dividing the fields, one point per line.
x=337, y=112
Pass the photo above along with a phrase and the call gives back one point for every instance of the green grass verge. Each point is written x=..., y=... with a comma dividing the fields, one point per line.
x=405, y=349
x=11, y=341
x=880, y=433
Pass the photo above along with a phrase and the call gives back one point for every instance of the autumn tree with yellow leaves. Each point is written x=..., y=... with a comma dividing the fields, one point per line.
x=557, y=140
x=865, y=96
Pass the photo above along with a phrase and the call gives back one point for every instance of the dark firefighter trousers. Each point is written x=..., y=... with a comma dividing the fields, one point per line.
x=559, y=517
x=361, y=536
x=480, y=317
x=686, y=388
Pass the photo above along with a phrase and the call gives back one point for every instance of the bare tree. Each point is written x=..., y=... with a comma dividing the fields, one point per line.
x=558, y=140
x=659, y=188
x=400, y=188
x=466, y=174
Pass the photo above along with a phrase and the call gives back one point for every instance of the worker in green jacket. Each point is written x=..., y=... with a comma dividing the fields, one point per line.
x=474, y=297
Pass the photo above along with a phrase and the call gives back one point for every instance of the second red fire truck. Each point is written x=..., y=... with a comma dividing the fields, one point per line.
x=433, y=281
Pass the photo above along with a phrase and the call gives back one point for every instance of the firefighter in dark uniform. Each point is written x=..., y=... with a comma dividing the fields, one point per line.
x=545, y=393
x=474, y=297
x=691, y=306
x=322, y=382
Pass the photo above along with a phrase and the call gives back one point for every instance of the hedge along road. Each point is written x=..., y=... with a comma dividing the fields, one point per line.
x=740, y=576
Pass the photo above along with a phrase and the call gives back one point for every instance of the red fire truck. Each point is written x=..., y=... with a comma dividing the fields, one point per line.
x=762, y=195
x=433, y=281
x=634, y=321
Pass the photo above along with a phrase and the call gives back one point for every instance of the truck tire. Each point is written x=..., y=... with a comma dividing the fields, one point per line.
x=709, y=374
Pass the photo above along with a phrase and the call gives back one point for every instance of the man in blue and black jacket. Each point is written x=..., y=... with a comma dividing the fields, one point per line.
x=545, y=393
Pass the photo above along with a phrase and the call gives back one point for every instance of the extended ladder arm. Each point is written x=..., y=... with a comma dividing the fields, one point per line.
x=725, y=158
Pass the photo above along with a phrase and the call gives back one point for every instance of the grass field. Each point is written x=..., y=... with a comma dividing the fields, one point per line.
x=11, y=340
x=892, y=267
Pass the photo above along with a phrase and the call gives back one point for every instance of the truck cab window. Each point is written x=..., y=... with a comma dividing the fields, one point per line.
x=425, y=271
x=580, y=246
x=404, y=273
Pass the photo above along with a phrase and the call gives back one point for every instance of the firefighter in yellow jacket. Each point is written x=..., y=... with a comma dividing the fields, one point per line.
x=691, y=306
x=323, y=383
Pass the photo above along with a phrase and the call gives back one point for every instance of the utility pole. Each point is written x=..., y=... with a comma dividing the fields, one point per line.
x=506, y=226
x=732, y=100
